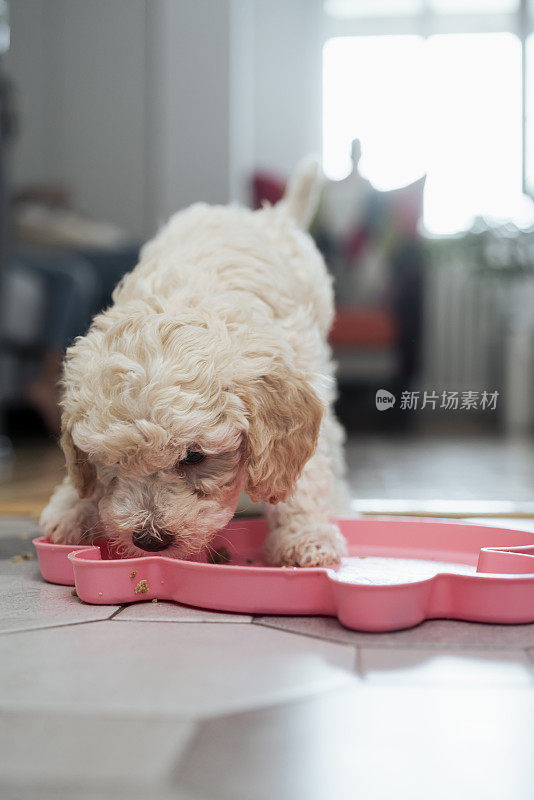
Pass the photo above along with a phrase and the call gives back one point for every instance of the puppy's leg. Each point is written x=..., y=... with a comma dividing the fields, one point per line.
x=301, y=533
x=67, y=519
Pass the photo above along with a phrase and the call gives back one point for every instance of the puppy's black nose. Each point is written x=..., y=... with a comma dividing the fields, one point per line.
x=151, y=542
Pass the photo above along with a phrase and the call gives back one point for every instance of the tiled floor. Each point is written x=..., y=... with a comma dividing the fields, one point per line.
x=162, y=701
x=459, y=468
x=430, y=475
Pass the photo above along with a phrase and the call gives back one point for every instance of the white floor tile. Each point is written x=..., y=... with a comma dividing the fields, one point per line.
x=442, y=668
x=27, y=601
x=167, y=669
x=376, y=743
x=69, y=752
x=173, y=612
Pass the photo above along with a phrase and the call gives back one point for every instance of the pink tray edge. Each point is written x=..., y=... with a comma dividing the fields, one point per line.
x=505, y=598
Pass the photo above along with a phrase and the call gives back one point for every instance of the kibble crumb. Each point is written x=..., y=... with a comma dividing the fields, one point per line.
x=22, y=557
x=133, y=574
x=142, y=587
x=154, y=599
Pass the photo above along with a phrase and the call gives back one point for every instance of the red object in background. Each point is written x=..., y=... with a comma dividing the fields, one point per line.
x=406, y=206
x=359, y=327
x=267, y=187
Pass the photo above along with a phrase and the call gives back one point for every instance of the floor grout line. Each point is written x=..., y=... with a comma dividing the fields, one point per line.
x=54, y=627
x=302, y=633
x=186, y=621
x=118, y=611
x=112, y=619
x=420, y=645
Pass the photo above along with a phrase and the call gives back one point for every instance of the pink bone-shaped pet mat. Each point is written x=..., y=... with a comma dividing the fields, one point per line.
x=399, y=572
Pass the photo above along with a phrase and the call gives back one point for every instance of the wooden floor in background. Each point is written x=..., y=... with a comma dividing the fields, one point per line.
x=26, y=485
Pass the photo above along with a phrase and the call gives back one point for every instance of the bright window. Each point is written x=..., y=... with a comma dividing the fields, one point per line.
x=446, y=105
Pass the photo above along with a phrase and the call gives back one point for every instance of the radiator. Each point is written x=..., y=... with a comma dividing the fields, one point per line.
x=465, y=315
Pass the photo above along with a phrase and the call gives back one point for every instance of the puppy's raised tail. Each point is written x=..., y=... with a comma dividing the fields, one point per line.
x=302, y=192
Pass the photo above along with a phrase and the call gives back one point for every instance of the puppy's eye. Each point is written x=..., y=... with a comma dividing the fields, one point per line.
x=192, y=457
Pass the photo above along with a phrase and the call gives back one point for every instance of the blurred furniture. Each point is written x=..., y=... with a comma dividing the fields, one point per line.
x=22, y=329
x=478, y=323
x=51, y=296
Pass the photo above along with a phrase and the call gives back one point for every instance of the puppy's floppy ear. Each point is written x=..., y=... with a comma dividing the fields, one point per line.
x=284, y=419
x=81, y=472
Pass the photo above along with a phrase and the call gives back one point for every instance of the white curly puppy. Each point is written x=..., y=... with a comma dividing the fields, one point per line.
x=209, y=374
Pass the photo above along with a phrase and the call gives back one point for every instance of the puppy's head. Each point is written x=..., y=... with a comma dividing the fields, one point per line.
x=166, y=420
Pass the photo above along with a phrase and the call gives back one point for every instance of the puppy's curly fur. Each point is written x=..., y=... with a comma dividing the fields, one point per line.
x=215, y=343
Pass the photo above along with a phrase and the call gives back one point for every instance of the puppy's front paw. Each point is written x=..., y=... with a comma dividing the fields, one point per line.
x=306, y=545
x=66, y=518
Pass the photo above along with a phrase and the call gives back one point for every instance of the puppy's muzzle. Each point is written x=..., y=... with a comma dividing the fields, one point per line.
x=147, y=540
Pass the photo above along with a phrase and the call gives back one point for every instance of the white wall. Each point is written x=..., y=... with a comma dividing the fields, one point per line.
x=144, y=106
x=242, y=98
x=80, y=68
x=101, y=87
x=200, y=100
x=29, y=63
x=189, y=103
x=287, y=82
